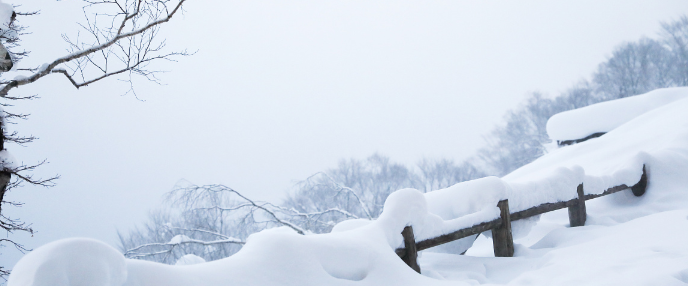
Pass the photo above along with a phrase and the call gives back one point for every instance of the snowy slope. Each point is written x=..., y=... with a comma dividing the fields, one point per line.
x=627, y=240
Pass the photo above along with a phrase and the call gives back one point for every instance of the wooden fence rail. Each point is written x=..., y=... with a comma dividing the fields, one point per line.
x=501, y=227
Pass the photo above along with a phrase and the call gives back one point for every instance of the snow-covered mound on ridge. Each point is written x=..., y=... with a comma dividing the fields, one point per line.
x=653, y=138
x=605, y=116
x=71, y=262
x=655, y=124
x=627, y=240
x=278, y=256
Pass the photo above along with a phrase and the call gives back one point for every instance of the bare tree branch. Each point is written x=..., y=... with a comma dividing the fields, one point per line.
x=341, y=188
x=249, y=203
x=120, y=38
x=133, y=253
x=157, y=11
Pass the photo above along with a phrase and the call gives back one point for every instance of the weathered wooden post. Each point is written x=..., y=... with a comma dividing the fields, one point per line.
x=411, y=257
x=639, y=188
x=502, y=240
x=5, y=175
x=577, y=213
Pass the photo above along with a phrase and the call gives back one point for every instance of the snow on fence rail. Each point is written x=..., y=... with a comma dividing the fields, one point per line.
x=501, y=227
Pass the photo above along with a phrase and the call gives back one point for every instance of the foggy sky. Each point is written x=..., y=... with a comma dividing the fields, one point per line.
x=279, y=90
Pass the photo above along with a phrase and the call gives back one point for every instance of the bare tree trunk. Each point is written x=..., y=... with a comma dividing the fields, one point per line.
x=4, y=181
x=5, y=176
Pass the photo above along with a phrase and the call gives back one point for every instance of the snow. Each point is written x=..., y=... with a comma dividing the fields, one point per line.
x=350, y=224
x=71, y=262
x=180, y=238
x=627, y=240
x=190, y=259
x=6, y=11
x=466, y=198
x=605, y=116
x=645, y=251
x=43, y=67
x=7, y=161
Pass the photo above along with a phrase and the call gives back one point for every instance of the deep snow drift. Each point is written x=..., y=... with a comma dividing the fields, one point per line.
x=605, y=116
x=627, y=240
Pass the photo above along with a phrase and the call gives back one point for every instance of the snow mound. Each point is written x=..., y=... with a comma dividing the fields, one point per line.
x=467, y=197
x=180, y=238
x=190, y=259
x=605, y=116
x=350, y=224
x=7, y=161
x=71, y=262
x=280, y=256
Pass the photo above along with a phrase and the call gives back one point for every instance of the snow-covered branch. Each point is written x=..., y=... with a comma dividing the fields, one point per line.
x=263, y=206
x=176, y=241
x=129, y=42
x=341, y=188
x=121, y=39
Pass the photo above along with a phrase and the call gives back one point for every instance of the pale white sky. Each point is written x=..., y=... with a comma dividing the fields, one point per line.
x=280, y=90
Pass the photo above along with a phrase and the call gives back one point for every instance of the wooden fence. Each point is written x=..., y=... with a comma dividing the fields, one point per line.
x=503, y=242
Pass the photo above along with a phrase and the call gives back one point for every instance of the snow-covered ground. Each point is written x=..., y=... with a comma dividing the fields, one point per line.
x=627, y=240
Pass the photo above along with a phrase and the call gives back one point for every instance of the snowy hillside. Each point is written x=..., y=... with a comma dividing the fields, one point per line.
x=627, y=240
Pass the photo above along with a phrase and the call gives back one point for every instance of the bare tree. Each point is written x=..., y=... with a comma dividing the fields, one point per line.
x=213, y=221
x=635, y=68
x=443, y=173
x=675, y=36
x=360, y=187
x=120, y=38
x=523, y=137
x=521, y=140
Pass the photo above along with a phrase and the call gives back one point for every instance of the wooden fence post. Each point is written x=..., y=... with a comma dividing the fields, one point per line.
x=502, y=240
x=639, y=188
x=411, y=257
x=577, y=213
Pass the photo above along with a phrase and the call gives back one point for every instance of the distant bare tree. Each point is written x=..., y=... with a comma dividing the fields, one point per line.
x=443, y=173
x=521, y=140
x=675, y=36
x=212, y=222
x=361, y=187
x=635, y=68
x=215, y=220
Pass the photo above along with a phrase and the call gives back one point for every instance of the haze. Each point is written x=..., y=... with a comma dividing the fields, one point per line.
x=279, y=90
